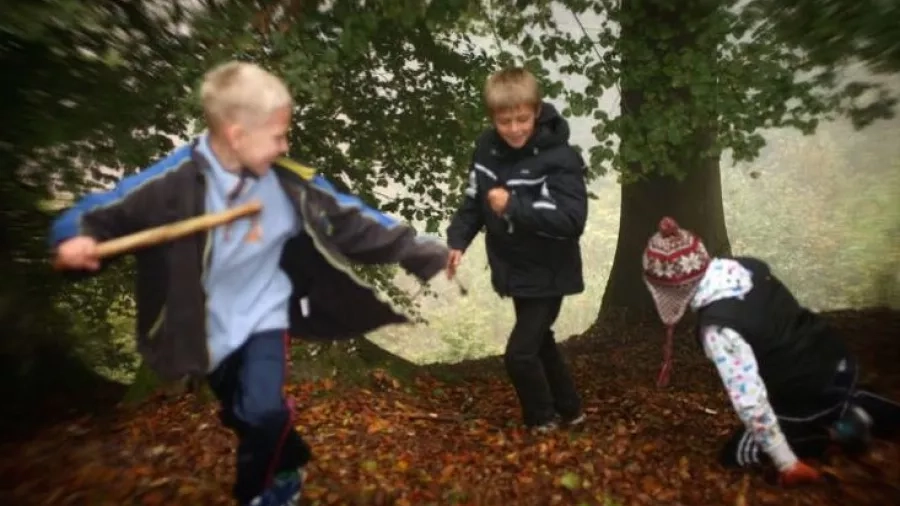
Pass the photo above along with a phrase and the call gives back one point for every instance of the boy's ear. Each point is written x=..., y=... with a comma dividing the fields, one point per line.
x=233, y=132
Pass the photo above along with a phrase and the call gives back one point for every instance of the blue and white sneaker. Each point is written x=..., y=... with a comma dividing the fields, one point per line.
x=853, y=430
x=285, y=490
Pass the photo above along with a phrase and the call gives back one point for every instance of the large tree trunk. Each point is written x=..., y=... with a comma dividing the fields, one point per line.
x=696, y=200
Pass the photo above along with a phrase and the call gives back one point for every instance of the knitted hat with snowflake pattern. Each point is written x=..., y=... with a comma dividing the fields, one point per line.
x=674, y=262
x=674, y=256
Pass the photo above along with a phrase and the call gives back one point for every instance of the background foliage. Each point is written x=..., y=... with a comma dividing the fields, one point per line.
x=388, y=106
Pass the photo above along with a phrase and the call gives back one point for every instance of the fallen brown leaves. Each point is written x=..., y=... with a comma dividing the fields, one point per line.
x=432, y=442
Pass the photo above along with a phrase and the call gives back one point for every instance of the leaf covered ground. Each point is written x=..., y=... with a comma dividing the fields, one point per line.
x=456, y=441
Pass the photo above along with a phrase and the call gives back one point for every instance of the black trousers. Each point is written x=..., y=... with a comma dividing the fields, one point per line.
x=248, y=384
x=538, y=372
x=806, y=424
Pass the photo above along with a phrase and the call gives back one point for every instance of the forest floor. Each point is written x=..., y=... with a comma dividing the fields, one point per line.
x=450, y=436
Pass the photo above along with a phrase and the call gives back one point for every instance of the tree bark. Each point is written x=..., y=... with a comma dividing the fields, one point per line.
x=696, y=200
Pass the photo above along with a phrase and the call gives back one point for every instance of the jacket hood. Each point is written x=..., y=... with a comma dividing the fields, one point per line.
x=551, y=130
x=724, y=278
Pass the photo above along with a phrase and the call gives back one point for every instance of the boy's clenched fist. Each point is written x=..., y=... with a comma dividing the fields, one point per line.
x=77, y=253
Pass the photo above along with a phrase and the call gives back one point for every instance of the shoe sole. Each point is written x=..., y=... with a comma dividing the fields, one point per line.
x=544, y=429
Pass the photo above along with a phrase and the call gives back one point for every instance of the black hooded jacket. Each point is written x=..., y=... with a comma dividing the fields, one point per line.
x=533, y=248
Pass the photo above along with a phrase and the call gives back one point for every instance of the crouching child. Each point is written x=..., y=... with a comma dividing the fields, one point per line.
x=790, y=377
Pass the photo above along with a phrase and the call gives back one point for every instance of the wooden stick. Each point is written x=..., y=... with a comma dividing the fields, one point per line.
x=165, y=233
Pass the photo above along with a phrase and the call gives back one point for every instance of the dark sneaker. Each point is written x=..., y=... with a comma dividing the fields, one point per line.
x=852, y=431
x=285, y=491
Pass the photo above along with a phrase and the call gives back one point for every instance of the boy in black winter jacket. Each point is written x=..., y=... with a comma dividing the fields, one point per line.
x=527, y=190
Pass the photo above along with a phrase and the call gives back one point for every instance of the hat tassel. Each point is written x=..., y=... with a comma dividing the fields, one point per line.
x=663, y=379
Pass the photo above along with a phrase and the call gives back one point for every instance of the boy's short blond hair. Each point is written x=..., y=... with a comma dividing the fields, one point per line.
x=511, y=87
x=241, y=92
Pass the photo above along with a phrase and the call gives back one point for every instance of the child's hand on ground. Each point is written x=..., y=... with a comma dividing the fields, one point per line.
x=799, y=474
x=498, y=199
x=453, y=262
x=77, y=253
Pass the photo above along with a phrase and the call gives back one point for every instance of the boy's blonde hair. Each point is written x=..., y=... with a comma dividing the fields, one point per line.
x=241, y=92
x=511, y=87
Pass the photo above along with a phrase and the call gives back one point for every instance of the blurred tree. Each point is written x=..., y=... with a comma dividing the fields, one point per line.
x=840, y=31
x=70, y=106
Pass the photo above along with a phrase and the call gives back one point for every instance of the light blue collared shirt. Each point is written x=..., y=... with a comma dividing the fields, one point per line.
x=246, y=289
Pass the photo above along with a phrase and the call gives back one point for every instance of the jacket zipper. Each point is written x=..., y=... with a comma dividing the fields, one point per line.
x=204, y=267
x=157, y=323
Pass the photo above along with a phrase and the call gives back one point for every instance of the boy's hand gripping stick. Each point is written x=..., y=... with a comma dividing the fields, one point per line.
x=172, y=231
